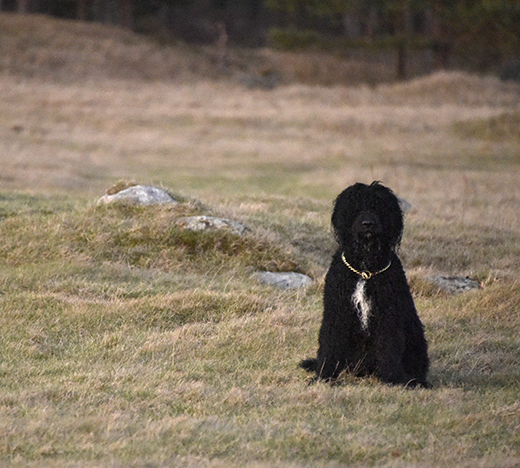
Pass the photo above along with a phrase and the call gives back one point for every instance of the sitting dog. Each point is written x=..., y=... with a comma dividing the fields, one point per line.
x=370, y=325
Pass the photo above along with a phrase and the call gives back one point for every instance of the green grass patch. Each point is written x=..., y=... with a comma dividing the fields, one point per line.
x=504, y=127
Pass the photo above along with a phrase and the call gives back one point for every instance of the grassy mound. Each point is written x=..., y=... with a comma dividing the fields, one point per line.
x=141, y=237
x=454, y=89
x=48, y=48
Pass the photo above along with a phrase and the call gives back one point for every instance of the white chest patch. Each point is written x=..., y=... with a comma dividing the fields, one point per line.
x=361, y=303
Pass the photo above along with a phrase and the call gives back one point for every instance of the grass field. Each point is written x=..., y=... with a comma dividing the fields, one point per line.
x=127, y=342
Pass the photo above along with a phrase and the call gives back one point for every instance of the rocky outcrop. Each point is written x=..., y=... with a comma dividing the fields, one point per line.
x=202, y=223
x=289, y=280
x=454, y=284
x=139, y=195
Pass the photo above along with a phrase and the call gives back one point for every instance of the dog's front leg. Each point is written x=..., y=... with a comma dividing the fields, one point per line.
x=389, y=366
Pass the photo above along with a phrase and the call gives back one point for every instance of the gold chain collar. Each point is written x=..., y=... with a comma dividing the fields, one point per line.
x=366, y=275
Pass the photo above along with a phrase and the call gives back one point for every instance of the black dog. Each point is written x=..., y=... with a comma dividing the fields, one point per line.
x=370, y=325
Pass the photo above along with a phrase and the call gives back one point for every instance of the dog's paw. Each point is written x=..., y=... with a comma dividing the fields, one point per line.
x=309, y=364
x=414, y=383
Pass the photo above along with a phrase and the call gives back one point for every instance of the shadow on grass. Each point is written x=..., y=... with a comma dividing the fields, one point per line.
x=474, y=380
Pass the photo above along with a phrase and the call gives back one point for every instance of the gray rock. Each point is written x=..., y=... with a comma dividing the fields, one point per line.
x=139, y=195
x=202, y=223
x=405, y=205
x=288, y=280
x=454, y=284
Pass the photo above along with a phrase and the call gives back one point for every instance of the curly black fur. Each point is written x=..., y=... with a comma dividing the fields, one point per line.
x=370, y=326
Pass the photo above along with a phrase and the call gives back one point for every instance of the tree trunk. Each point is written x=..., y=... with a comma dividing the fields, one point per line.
x=23, y=6
x=405, y=32
x=82, y=11
x=440, y=46
x=372, y=22
x=126, y=18
x=402, y=61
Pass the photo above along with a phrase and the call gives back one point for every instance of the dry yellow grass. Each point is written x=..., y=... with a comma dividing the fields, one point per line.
x=318, y=140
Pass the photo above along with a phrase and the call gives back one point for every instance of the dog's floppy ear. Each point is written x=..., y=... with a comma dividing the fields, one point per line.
x=345, y=209
x=389, y=203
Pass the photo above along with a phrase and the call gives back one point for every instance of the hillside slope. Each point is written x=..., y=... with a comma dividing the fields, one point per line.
x=36, y=45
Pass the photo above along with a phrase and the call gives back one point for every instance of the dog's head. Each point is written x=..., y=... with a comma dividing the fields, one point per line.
x=367, y=221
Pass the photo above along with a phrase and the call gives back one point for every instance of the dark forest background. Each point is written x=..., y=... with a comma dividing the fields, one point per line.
x=481, y=35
